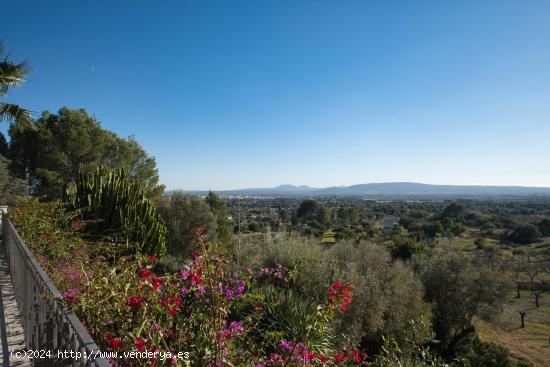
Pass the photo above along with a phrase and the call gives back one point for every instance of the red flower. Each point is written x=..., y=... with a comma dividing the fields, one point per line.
x=339, y=295
x=78, y=225
x=47, y=237
x=173, y=310
x=311, y=356
x=198, y=231
x=177, y=300
x=144, y=273
x=339, y=357
x=156, y=282
x=195, y=254
x=196, y=277
x=134, y=301
x=258, y=308
x=165, y=301
x=152, y=259
x=115, y=343
x=356, y=356
x=140, y=344
x=323, y=358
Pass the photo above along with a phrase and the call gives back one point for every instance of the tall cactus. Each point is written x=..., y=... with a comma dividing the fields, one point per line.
x=114, y=203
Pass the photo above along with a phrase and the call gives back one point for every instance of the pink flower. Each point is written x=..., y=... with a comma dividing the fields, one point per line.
x=275, y=358
x=225, y=334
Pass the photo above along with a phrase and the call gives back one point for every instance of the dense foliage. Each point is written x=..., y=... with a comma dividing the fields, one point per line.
x=181, y=213
x=50, y=152
x=10, y=187
x=220, y=317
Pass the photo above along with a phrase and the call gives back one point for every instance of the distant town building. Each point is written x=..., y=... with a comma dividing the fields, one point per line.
x=390, y=223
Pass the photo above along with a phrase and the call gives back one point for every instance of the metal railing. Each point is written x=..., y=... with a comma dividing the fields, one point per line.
x=47, y=322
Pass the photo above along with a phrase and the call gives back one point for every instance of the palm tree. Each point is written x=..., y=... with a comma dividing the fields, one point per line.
x=11, y=76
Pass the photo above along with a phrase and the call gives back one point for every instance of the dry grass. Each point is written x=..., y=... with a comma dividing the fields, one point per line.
x=531, y=343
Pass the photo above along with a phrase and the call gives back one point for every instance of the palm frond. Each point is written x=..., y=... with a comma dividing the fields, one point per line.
x=11, y=74
x=12, y=112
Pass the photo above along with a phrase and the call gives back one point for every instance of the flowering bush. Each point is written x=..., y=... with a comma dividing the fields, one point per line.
x=248, y=318
x=219, y=318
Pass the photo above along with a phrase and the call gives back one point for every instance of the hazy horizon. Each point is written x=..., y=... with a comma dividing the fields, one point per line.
x=359, y=183
x=320, y=93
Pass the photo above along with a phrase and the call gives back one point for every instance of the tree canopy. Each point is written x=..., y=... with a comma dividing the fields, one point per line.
x=181, y=214
x=49, y=153
x=224, y=228
x=459, y=291
x=10, y=187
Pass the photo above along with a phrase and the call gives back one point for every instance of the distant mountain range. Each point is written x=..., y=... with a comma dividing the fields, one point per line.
x=390, y=189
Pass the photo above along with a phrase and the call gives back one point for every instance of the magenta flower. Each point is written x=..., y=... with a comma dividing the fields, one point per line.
x=184, y=274
x=236, y=328
x=70, y=295
x=286, y=345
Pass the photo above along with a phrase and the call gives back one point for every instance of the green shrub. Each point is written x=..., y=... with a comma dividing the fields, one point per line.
x=386, y=295
x=48, y=228
x=474, y=352
x=182, y=213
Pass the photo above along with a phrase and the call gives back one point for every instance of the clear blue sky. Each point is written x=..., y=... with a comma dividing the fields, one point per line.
x=229, y=94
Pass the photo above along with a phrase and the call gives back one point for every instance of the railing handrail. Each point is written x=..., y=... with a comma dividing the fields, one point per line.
x=49, y=300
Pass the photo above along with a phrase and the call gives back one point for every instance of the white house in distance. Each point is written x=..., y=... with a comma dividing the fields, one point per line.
x=390, y=223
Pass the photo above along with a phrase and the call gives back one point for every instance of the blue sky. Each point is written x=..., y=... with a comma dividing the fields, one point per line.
x=229, y=94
